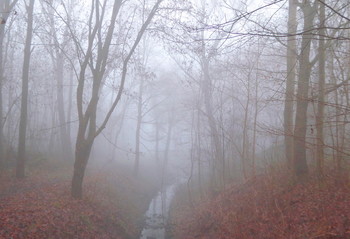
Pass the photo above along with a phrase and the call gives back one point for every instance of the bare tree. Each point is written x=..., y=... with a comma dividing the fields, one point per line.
x=321, y=91
x=6, y=7
x=139, y=121
x=56, y=50
x=309, y=11
x=88, y=129
x=20, y=167
x=290, y=83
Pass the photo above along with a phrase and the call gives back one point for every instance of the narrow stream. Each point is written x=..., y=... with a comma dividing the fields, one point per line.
x=157, y=214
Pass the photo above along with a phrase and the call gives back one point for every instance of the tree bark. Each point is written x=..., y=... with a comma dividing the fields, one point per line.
x=2, y=32
x=245, y=140
x=299, y=148
x=82, y=153
x=64, y=136
x=321, y=93
x=256, y=112
x=69, y=108
x=5, y=9
x=88, y=130
x=20, y=167
x=215, y=138
x=157, y=140
x=290, y=83
x=167, y=144
x=138, y=127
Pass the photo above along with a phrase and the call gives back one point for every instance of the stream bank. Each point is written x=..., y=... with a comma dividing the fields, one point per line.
x=157, y=215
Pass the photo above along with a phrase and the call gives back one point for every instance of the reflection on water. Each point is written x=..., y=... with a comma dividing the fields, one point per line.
x=157, y=214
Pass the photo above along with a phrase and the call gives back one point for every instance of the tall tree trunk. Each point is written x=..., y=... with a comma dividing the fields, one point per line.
x=256, y=112
x=88, y=130
x=222, y=131
x=199, y=153
x=69, y=109
x=337, y=157
x=20, y=167
x=214, y=133
x=2, y=33
x=119, y=127
x=85, y=139
x=12, y=100
x=167, y=147
x=82, y=154
x=157, y=140
x=299, y=148
x=290, y=83
x=138, y=127
x=245, y=140
x=167, y=144
x=321, y=85
x=5, y=9
x=64, y=136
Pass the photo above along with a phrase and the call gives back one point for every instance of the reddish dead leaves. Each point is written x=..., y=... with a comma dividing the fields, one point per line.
x=271, y=208
x=29, y=211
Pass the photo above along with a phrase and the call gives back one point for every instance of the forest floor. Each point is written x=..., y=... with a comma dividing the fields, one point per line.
x=40, y=206
x=270, y=206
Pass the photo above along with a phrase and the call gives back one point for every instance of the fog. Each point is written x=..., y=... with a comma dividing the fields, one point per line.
x=206, y=93
x=164, y=90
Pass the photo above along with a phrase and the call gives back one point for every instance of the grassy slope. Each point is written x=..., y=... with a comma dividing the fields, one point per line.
x=41, y=207
x=269, y=207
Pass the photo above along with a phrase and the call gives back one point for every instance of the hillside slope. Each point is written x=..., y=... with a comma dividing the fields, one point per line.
x=269, y=207
x=40, y=206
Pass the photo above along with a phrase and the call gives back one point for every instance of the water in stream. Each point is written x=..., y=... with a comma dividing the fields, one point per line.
x=157, y=214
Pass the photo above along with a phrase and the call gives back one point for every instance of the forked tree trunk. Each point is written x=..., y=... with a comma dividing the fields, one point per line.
x=82, y=154
x=88, y=130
